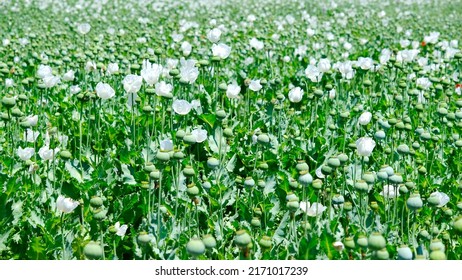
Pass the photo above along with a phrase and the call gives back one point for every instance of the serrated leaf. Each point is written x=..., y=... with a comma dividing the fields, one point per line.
x=74, y=172
x=127, y=176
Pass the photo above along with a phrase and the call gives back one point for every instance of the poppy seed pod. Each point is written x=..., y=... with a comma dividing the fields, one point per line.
x=188, y=171
x=361, y=186
x=396, y=178
x=369, y=177
x=249, y=182
x=213, y=163
x=338, y=199
x=376, y=241
x=362, y=241
x=163, y=156
x=265, y=242
x=317, y=184
x=343, y=158
x=333, y=162
x=302, y=166
x=305, y=178
x=242, y=239
x=349, y=243
x=195, y=247
x=189, y=138
x=404, y=253
x=93, y=251
x=255, y=222
x=438, y=255
x=209, y=241
x=458, y=224
x=155, y=175
x=192, y=189
x=293, y=205
x=144, y=238
x=414, y=202
x=263, y=138
x=382, y=254
x=96, y=202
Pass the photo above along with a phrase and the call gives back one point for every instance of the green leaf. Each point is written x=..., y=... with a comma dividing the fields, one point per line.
x=209, y=119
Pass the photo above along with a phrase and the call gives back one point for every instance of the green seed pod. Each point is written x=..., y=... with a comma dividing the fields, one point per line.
x=192, y=190
x=293, y=183
x=144, y=238
x=265, y=242
x=263, y=165
x=424, y=234
x=249, y=182
x=93, y=251
x=155, y=174
x=438, y=255
x=343, y=158
x=436, y=245
x=180, y=134
x=422, y=170
x=317, y=184
x=376, y=241
x=305, y=178
x=213, y=163
x=403, y=189
x=404, y=253
x=368, y=177
x=396, y=178
x=302, y=166
x=326, y=170
x=414, y=202
x=293, y=205
x=209, y=241
x=228, y=132
x=333, y=162
x=263, y=138
x=96, y=202
x=362, y=241
x=338, y=199
x=65, y=154
x=149, y=167
x=178, y=155
x=9, y=101
x=100, y=214
x=163, y=156
x=305, y=226
x=195, y=247
x=349, y=243
x=242, y=239
x=188, y=171
x=348, y=206
x=361, y=186
x=457, y=224
x=221, y=114
x=382, y=254
x=255, y=222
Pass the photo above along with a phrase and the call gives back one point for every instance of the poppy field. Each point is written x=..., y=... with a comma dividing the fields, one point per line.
x=227, y=130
